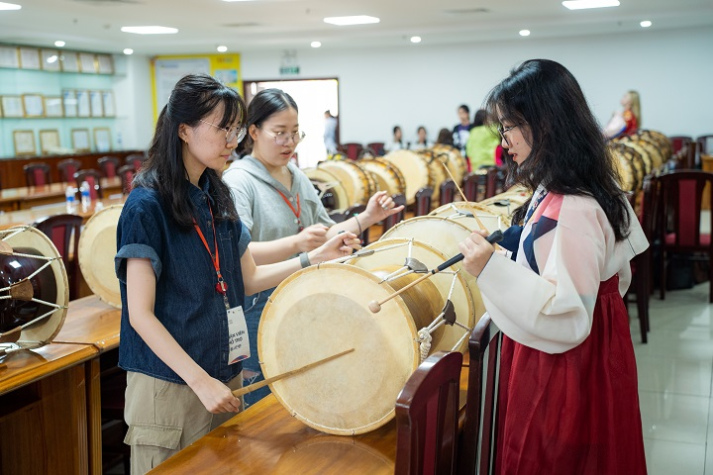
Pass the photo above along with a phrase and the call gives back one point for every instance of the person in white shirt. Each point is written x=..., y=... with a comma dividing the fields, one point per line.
x=396, y=141
x=422, y=141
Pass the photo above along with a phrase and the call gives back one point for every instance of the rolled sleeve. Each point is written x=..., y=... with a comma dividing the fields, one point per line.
x=136, y=251
x=139, y=234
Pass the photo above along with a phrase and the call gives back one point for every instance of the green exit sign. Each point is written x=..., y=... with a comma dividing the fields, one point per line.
x=290, y=70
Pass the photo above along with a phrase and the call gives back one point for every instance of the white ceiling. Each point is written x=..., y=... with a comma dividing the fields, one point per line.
x=94, y=25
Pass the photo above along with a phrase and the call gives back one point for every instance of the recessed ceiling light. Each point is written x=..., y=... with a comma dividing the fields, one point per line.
x=59, y=43
x=316, y=44
x=585, y=4
x=415, y=39
x=222, y=49
x=128, y=51
x=52, y=59
x=351, y=20
x=149, y=30
x=524, y=32
x=9, y=6
x=645, y=24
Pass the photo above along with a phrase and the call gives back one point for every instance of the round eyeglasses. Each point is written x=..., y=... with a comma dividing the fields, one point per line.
x=230, y=134
x=283, y=138
x=504, y=130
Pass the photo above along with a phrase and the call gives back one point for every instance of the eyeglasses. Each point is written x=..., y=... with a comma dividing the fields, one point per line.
x=230, y=134
x=283, y=138
x=504, y=130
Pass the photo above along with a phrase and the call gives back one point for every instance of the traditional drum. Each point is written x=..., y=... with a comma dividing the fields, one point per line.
x=34, y=293
x=323, y=310
x=630, y=165
x=453, y=159
x=358, y=183
x=472, y=214
x=436, y=171
x=643, y=152
x=331, y=191
x=506, y=203
x=386, y=176
x=414, y=168
x=97, y=248
x=662, y=142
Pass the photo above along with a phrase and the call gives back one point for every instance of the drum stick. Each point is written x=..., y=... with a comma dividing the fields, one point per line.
x=258, y=385
x=375, y=306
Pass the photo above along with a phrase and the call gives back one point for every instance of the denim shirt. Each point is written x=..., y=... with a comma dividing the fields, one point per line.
x=187, y=303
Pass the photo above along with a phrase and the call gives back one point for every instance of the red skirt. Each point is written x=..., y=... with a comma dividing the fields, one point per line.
x=574, y=413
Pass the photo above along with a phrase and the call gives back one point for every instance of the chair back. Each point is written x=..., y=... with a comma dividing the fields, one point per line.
x=352, y=150
x=93, y=179
x=394, y=219
x=64, y=230
x=377, y=148
x=136, y=160
x=477, y=442
x=474, y=187
x=108, y=166
x=126, y=173
x=427, y=417
x=678, y=142
x=447, y=192
x=67, y=168
x=424, y=197
x=37, y=174
x=680, y=198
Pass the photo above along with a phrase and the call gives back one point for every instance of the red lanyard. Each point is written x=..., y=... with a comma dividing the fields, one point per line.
x=221, y=287
x=297, y=212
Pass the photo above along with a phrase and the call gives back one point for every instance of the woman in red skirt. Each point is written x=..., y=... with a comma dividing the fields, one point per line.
x=568, y=400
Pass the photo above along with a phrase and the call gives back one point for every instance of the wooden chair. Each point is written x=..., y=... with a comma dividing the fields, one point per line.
x=67, y=168
x=427, y=417
x=64, y=231
x=474, y=186
x=705, y=146
x=447, y=192
x=126, y=173
x=678, y=142
x=108, y=166
x=424, y=197
x=476, y=451
x=136, y=160
x=377, y=148
x=37, y=174
x=641, y=264
x=352, y=150
x=678, y=205
x=93, y=179
x=394, y=219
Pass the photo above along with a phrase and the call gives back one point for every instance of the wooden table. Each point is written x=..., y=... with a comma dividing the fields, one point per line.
x=27, y=197
x=266, y=439
x=29, y=216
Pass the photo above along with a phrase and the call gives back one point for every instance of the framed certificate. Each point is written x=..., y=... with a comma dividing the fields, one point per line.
x=70, y=62
x=24, y=142
x=49, y=141
x=102, y=139
x=80, y=140
x=29, y=58
x=9, y=57
x=83, y=105
x=108, y=103
x=12, y=106
x=53, y=106
x=105, y=63
x=95, y=101
x=34, y=105
x=69, y=102
x=50, y=59
x=87, y=63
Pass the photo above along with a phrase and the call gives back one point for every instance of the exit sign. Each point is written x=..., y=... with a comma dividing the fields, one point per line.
x=285, y=70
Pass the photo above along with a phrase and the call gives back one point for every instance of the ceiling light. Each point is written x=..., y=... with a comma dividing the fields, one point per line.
x=316, y=44
x=52, y=59
x=9, y=6
x=524, y=32
x=645, y=24
x=59, y=43
x=351, y=20
x=585, y=4
x=149, y=30
x=128, y=51
x=415, y=39
x=222, y=49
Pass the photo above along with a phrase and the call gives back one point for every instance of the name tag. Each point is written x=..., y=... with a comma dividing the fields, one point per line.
x=238, y=341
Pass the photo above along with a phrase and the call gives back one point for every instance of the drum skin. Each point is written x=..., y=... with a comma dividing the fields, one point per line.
x=414, y=168
x=358, y=183
x=97, y=248
x=322, y=178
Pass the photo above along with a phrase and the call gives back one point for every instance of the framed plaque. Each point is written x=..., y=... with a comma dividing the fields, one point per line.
x=69, y=102
x=80, y=140
x=49, y=141
x=87, y=63
x=34, y=105
x=50, y=59
x=95, y=102
x=24, y=142
x=9, y=57
x=105, y=63
x=12, y=106
x=102, y=139
x=70, y=62
x=29, y=58
x=53, y=106
x=84, y=108
x=108, y=103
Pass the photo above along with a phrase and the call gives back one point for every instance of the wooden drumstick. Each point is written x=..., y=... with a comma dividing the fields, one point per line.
x=454, y=181
x=375, y=306
x=258, y=385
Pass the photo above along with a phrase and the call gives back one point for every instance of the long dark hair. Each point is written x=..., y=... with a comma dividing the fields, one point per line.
x=266, y=103
x=569, y=153
x=194, y=97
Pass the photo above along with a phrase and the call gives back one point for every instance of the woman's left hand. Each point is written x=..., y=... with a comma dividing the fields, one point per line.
x=339, y=245
x=476, y=252
x=379, y=207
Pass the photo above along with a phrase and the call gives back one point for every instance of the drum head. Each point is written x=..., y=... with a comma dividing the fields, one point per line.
x=31, y=237
x=356, y=181
x=326, y=182
x=414, y=168
x=459, y=210
x=386, y=176
x=323, y=310
x=97, y=248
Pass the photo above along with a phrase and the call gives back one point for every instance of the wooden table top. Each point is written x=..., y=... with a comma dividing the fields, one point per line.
x=266, y=439
x=92, y=322
x=51, y=190
x=24, y=367
x=29, y=216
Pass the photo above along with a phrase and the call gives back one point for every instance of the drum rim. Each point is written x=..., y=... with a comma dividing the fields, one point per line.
x=392, y=170
x=339, y=187
x=366, y=181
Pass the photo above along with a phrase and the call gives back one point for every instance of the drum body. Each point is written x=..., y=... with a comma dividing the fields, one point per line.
x=414, y=168
x=506, y=203
x=387, y=177
x=97, y=248
x=358, y=183
x=436, y=171
x=330, y=189
x=453, y=159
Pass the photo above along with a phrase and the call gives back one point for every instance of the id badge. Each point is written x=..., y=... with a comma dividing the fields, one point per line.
x=238, y=340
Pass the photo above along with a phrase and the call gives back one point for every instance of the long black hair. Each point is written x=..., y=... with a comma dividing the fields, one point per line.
x=265, y=104
x=194, y=97
x=569, y=152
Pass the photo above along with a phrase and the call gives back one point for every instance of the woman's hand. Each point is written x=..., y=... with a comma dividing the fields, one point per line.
x=215, y=396
x=476, y=252
x=311, y=237
x=339, y=245
x=379, y=207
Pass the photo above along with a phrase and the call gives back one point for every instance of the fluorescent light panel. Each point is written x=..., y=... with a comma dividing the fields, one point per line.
x=149, y=30
x=351, y=20
x=9, y=6
x=645, y=24
x=586, y=4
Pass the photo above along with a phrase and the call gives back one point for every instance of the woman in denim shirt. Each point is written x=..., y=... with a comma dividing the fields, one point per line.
x=184, y=268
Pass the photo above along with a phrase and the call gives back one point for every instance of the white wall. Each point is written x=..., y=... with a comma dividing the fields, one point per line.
x=423, y=85
x=134, y=110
